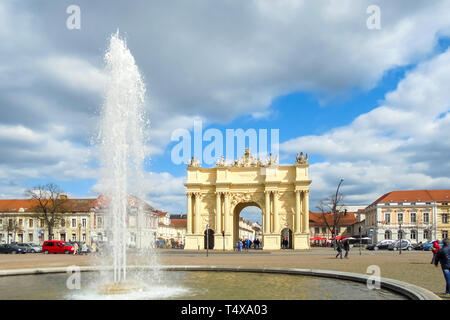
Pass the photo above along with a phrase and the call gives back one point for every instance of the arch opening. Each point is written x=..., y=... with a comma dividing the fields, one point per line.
x=208, y=239
x=248, y=226
x=286, y=238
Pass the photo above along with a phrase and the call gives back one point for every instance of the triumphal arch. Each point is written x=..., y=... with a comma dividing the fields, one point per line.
x=216, y=196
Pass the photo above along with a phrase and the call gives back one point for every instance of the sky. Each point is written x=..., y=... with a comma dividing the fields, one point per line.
x=370, y=105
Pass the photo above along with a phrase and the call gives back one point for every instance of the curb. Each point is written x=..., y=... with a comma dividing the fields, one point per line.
x=408, y=290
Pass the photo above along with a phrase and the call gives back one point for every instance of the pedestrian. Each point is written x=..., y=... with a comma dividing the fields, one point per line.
x=84, y=248
x=75, y=248
x=443, y=256
x=94, y=246
x=240, y=245
x=434, y=248
x=339, y=249
x=346, y=248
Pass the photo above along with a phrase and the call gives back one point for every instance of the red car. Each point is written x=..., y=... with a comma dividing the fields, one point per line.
x=54, y=246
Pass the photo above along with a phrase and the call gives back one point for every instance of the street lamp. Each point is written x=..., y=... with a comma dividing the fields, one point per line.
x=401, y=236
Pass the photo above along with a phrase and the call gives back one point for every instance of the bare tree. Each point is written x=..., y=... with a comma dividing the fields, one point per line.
x=12, y=227
x=333, y=206
x=50, y=206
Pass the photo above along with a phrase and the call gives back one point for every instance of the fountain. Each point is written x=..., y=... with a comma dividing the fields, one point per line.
x=122, y=149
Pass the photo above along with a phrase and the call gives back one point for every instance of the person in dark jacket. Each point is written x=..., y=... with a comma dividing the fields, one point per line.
x=443, y=256
x=339, y=249
x=346, y=248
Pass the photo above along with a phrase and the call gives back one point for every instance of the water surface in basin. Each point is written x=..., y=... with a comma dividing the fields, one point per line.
x=195, y=285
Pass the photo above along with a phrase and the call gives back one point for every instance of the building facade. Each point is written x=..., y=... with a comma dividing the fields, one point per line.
x=416, y=215
x=83, y=220
x=320, y=224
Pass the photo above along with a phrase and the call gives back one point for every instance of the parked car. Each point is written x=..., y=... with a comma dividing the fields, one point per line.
x=24, y=246
x=55, y=246
x=33, y=248
x=418, y=246
x=12, y=248
x=380, y=245
x=405, y=245
x=429, y=245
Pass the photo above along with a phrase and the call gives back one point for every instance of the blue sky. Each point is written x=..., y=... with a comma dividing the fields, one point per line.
x=367, y=105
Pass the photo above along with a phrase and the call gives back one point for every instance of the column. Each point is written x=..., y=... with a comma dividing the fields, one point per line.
x=267, y=213
x=276, y=223
x=302, y=197
x=307, y=211
x=297, y=212
x=218, y=213
x=226, y=214
x=189, y=213
x=197, y=218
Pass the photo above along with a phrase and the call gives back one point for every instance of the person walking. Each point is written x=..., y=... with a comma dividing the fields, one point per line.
x=346, y=248
x=75, y=248
x=94, y=247
x=435, y=249
x=339, y=249
x=240, y=245
x=443, y=257
x=84, y=248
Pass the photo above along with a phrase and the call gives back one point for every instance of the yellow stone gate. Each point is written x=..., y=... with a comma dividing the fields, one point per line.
x=216, y=196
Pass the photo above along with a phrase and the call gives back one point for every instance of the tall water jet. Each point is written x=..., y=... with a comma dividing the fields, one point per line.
x=122, y=145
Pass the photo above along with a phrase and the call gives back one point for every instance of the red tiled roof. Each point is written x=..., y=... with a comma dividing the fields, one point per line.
x=71, y=205
x=28, y=205
x=317, y=218
x=414, y=196
x=178, y=223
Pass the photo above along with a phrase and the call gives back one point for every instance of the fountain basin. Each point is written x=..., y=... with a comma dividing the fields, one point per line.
x=194, y=282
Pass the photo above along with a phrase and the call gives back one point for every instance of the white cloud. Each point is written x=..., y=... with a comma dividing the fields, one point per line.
x=399, y=145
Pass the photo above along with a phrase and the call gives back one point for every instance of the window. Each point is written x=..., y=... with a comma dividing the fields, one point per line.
x=30, y=237
x=426, y=234
x=74, y=237
x=413, y=217
x=99, y=222
x=316, y=230
x=324, y=229
x=413, y=235
x=30, y=223
x=74, y=223
x=83, y=221
x=400, y=217
x=445, y=234
x=20, y=222
x=445, y=218
x=63, y=223
x=401, y=234
x=387, y=218
x=387, y=235
x=84, y=237
x=41, y=223
x=1, y=222
x=426, y=217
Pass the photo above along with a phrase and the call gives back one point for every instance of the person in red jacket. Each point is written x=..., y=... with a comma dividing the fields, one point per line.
x=435, y=249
